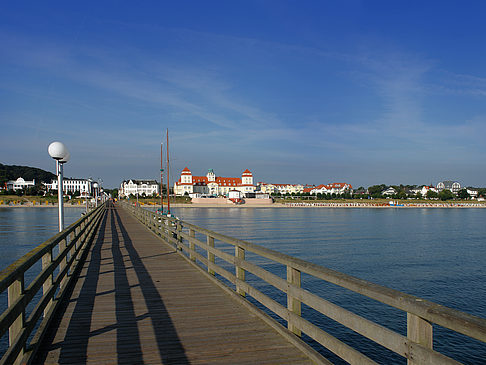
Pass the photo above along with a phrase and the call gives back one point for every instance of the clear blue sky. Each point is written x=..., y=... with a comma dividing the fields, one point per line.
x=364, y=92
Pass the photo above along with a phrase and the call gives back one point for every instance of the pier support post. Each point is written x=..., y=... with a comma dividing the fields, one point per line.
x=293, y=304
x=15, y=290
x=210, y=242
x=240, y=272
x=420, y=331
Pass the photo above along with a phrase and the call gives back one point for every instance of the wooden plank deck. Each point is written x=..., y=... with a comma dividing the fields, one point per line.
x=137, y=301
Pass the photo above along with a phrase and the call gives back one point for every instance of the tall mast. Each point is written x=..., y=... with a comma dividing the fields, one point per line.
x=161, y=179
x=168, y=181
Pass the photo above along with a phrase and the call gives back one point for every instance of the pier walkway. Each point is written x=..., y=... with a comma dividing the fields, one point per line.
x=138, y=301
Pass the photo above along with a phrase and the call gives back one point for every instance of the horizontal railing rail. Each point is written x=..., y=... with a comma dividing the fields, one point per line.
x=416, y=347
x=59, y=259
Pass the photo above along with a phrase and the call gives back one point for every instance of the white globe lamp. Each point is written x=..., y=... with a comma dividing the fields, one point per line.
x=59, y=152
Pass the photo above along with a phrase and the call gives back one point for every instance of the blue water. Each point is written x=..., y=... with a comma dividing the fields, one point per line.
x=21, y=230
x=436, y=254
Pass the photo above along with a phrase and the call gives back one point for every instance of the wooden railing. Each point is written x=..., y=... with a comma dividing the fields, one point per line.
x=416, y=347
x=56, y=260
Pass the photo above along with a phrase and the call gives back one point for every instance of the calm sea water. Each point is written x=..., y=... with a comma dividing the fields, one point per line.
x=22, y=229
x=436, y=254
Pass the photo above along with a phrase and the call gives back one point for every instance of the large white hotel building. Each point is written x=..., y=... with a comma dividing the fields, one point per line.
x=212, y=184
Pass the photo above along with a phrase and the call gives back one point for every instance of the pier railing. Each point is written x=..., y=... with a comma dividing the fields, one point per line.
x=54, y=263
x=416, y=347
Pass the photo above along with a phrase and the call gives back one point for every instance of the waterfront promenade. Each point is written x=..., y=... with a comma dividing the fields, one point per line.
x=138, y=301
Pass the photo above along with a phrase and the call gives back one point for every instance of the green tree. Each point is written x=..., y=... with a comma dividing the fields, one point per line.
x=375, y=190
x=463, y=194
x=446, y=195
x=431, y=194
x=402, y=195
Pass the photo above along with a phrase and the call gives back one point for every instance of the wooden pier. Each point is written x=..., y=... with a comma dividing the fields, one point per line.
x=129, y=286
x=138, y=301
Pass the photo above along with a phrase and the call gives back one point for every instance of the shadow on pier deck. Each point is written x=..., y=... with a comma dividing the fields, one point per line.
x=138, y=301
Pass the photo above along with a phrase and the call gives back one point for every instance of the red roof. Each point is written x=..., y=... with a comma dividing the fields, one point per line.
x=186, y=171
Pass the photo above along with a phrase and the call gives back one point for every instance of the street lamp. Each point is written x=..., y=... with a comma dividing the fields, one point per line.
x=60, y=153
x=95, y=186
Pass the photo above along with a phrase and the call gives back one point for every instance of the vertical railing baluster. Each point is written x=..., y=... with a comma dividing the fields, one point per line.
x=420, y=331
x=62, y=264
x=46, y=261
x=178, y=235
x=240, y=272
x=15, y=290
x=210, y=242
x=72, y=237
x=293, y=304
x=192, y=246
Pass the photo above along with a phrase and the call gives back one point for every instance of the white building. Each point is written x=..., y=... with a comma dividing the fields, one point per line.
x=212, y=184
x=333, y=188
x=281, y=189
x=138, y=187
x=20, y=184
x=424, y=190
x=473, y=193
x=388, y=192
x=453, y=186
x=70, y=186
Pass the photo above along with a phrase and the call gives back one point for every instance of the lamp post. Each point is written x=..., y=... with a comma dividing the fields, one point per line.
x=95, y=186
x=101, y=189
x=60, y=153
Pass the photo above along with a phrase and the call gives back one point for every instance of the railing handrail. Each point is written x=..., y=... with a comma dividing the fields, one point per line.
x=421, y=312
x=73, y=243
x=439, y=314
x=7, y=275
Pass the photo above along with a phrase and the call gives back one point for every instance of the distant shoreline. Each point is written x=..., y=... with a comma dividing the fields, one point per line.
x=326, y=205
x=27, y=205
x=277, y=205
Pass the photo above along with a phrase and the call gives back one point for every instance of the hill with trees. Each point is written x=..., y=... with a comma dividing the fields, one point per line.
x=13, y=172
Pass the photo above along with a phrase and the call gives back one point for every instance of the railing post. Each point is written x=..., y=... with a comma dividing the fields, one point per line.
x=192, y=246
x=420, y=331
x=46, y=261
x=62, y=264
x=240, y=272
x=178, y=234
x=210, y=242
x=72, y=236
x=15, y=290
x=293, y=304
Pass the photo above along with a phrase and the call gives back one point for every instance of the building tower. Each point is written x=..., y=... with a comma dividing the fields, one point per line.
x=211, y=176
x=186, y=176
x=247, y=178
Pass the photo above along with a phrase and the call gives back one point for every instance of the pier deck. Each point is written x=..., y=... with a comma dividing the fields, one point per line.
x=138, y=301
